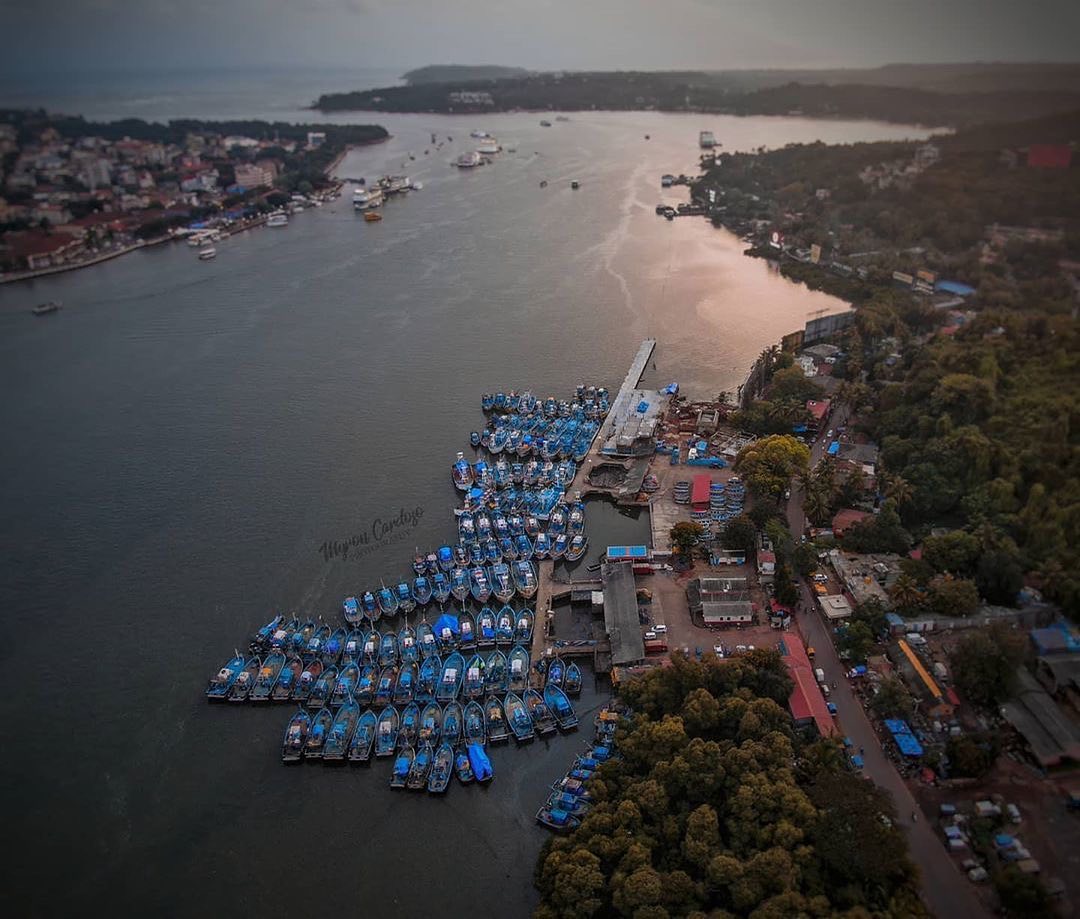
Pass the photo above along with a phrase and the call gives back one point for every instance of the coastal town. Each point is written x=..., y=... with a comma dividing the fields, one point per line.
x=74, y=193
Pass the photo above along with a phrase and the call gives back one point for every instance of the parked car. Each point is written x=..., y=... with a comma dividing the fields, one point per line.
x=650, y=635
x=660, y=628
x=832, y=707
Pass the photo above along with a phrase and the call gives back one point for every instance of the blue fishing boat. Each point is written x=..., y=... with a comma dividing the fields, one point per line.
x=387, y=731
x=496, y=674
x=532, y=526
x=421, y=590
x=524, y=548
x=501, y=472
x=428, y=679
x=502, y=586
x=518, y=718
x=477, y=553
x=399, y=773
x=572, y=681
x=557, y=520
x=440, y=588
x=441, y=769
x=453, y=673
x=431, y=564
x=309, y=676
x=452, y=723
x=463, y=767
x=473, y=685
x=363, y=740
x=492, y=552
x=388, y=650
x=405, y=687
x=354, y=646
x=483, y=527
x=384, y=688
x=350, y=609
x=495, y=721
x=576, y=521
x=572, y=804
x=346, y=684
x=556, y=670
x=523, y=627
x=474, y=438
x=462, y=473
x=556, y=819
x=431, y=723
x=446, y=630
x=577, y=547
x=500, y=526
x=409, y=727
x=466, y=528
x=335, y=644
x=479, y=585
x=485, y=628
x=500, y=400
x=425, y=638
x=466, y=631
x=369, y=650
x=487, y=402
x=532, y=476
x=281, y=640
x=518, y=665
x=296, y=735
x=498, y=440
x=481, y=765
x=261, y=639
x=508, y=549
x=218, y=686
x=323, y=688
x=408, y=649
x=459, y=584
x=445, y=557
x=542, y=718
x=517, y=525
x=418, y=562
x=341, y=732
x=542, y=546
x=241, y=687
x=461, y=556
x=365, y=684
x=321, y=722
x=387, y=601
x=559, y=547
x=315, y=643
x=560, y=707
x=421, y=766
x=287, y=679
x=369, y=606
x=504, y=627
x=473, y=723
x=406, y=603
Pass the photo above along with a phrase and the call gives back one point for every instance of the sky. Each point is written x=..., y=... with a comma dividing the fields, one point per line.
x=57, y=36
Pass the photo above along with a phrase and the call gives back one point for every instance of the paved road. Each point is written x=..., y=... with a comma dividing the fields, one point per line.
x=946, y=892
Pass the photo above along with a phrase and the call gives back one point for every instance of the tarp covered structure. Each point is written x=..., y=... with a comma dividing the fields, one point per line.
x=446, y=621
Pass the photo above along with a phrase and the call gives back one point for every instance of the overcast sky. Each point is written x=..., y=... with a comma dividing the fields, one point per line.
x=50, y=35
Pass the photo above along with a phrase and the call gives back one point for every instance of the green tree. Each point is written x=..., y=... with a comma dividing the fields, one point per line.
x=784, y=585
x=685, y=536
x=949, y=596
x=1023, y=895
x=955, y=552
x=892, y=699
x=740, y=533
x=905, y=594
x=970, y=755
x=858, y=641
x=984, y=665
x=805, y=558
x=769, y=464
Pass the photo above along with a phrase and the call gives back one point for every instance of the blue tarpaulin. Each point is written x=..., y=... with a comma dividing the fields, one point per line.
x=481, y=765
x=671, y=389
x=955, y=288
x=908, y=745
x=643, y=406
x=446, y=621
x=834, y=448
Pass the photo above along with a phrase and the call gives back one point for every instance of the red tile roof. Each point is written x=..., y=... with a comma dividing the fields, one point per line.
x=806, y=700
x=845, y=518
x=818, y=409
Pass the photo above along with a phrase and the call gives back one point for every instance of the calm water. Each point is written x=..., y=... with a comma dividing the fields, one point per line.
x=183, y=436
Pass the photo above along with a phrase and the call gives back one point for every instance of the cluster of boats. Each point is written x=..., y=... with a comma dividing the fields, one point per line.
x=367, y=197
x=570, y=799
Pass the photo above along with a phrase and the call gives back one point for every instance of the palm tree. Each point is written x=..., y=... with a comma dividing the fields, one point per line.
x=905, y=593
x=817, y=504
x=898, y=489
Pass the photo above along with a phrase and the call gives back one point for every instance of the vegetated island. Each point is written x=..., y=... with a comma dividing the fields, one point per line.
x=918, y=95
x=450, y=73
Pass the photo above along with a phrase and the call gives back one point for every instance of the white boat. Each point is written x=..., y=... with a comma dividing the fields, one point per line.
x=278, y=219
x=208, y=253
x=488, y=146
x=479, y=135
x=706, y=140
x=469, y=160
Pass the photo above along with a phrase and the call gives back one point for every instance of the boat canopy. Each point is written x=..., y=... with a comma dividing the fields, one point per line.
x=446, y=621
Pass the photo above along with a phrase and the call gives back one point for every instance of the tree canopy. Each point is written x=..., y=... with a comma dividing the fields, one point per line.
x=769, y=464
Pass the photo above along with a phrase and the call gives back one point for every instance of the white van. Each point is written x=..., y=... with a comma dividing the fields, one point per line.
x=819, y=675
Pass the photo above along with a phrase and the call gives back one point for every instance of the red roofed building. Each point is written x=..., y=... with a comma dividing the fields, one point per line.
x=806, y=702
x=1049, y=156
x=35, y=249
x=819, y=411
x=844, y=519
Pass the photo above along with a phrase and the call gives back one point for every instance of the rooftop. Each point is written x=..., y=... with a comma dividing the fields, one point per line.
x=1053, y=738
x=621, y=613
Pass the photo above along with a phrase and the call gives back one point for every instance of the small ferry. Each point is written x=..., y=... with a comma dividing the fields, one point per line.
x=488, y=146
x=706, y=140
x=278, y=219
x=469, y=160
x=208, y=253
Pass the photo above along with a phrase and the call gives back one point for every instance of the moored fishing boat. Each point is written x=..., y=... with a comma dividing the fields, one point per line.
x=485, y=628
x=576, y=549
x=576, y=521
x=532, y=526
x=441, y=769
x=496, y=674
x=428, y=679
x=281, y=640
x=481, y=765
x=418, y=562
x=557, y=520
x=354, y=646
x=524, y=550
x=495, y=721
x=570, y=803
x=341, y=732
x=501, y=584
x=440, y=588
x=542, y=546
x=369, y=650
x=421, y=590
x=421, y=766
x=507, y=549
x=559, y=547
x=409, y=726
x=463, y=767
x=492, y=552
x=447, y=630
x=425, y=638
x=473, y=685
x=309, y=676
x=479, y=586
x=523, y=627
x=462, y=473
x=261, y=639
x=384, y=688
x=451, y=723
x=296, y=735
x=461, y=557
x=350, y=609
x=504, y=627
x=321, y=722
x=405, y=687
x=542, y=718
x=518, y=718
x=466, y=631
x=363, y=740
x=473, y=723
x=556, y=819
x=369, y=606
x=430, y=723
x=399, y=773
x=459, y=584
x=387, y=731
x=316, y=642
x=572, y=681
x=388, y=650
x=365, y=684
x=518, y=665
x=324, y=686
x=387, y=601
x=466, y=532
x=346, y=684
x=560, y=707
x=218, y=686
x=556, y=670
x=287, y=679
x=331, y=651
x=241, y=687
x=406, y=603
x=431, y=564
x=451, y=678
x=407, y=647
x=445, y=557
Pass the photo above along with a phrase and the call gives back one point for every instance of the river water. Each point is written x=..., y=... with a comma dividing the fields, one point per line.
x=183, y=437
